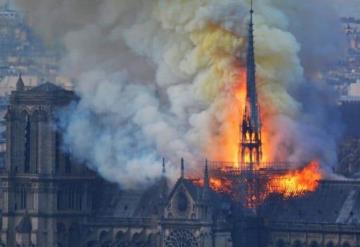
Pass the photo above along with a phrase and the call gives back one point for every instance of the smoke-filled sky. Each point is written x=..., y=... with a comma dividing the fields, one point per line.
x=162, y=78
x=343, y=7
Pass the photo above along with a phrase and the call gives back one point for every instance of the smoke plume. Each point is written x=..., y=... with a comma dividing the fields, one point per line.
x=164, y=78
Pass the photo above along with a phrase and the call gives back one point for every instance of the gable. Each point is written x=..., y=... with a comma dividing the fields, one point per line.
x=182, y=200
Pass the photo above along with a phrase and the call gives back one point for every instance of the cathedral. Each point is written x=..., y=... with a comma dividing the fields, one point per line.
x=48, y=199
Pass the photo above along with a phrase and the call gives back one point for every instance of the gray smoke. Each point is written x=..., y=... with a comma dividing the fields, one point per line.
x=147, y=70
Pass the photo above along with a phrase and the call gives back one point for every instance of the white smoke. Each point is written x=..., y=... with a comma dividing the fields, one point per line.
x=147, y=71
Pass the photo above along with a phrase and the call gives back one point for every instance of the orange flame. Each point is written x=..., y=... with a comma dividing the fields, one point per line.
x=224, y=144
x=220, y=185
x=296, y=183
x=292, y=183
x=216, y=184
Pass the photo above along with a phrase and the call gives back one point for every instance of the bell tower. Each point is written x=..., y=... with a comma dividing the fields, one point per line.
x=45, y=193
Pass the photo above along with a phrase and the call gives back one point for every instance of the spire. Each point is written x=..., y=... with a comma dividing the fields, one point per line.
x=206, y=188
x=163, y=184
x=206, y=174
x=251, y=74
x=182, y=168
x=20, y=84
x=163, y=167
x=250, y=146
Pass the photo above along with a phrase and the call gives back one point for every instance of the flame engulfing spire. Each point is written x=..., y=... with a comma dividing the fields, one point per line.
x=250, y=150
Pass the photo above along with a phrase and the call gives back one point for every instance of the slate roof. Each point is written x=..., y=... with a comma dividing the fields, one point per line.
x=45, y=93
x=120, y=203
x=116, y=202
x=47, y=87
x=332, y=203
x=150, y=200
x=217, y=201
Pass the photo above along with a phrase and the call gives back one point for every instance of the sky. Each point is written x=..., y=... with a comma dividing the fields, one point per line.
x=345, y=7
x=348, y=7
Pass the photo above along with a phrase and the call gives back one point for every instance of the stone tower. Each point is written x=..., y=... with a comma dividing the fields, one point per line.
x=45, y=195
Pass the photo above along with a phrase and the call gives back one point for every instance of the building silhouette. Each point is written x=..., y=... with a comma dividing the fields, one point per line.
x=49, y=199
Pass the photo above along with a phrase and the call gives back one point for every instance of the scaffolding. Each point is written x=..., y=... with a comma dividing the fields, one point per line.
x=248, y=183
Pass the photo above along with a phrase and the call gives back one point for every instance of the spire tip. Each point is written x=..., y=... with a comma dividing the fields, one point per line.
x=182, y=168
x=163, y=166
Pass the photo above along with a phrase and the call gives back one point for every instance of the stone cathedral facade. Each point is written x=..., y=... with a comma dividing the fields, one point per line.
x=43, y=191
x=47, y=199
